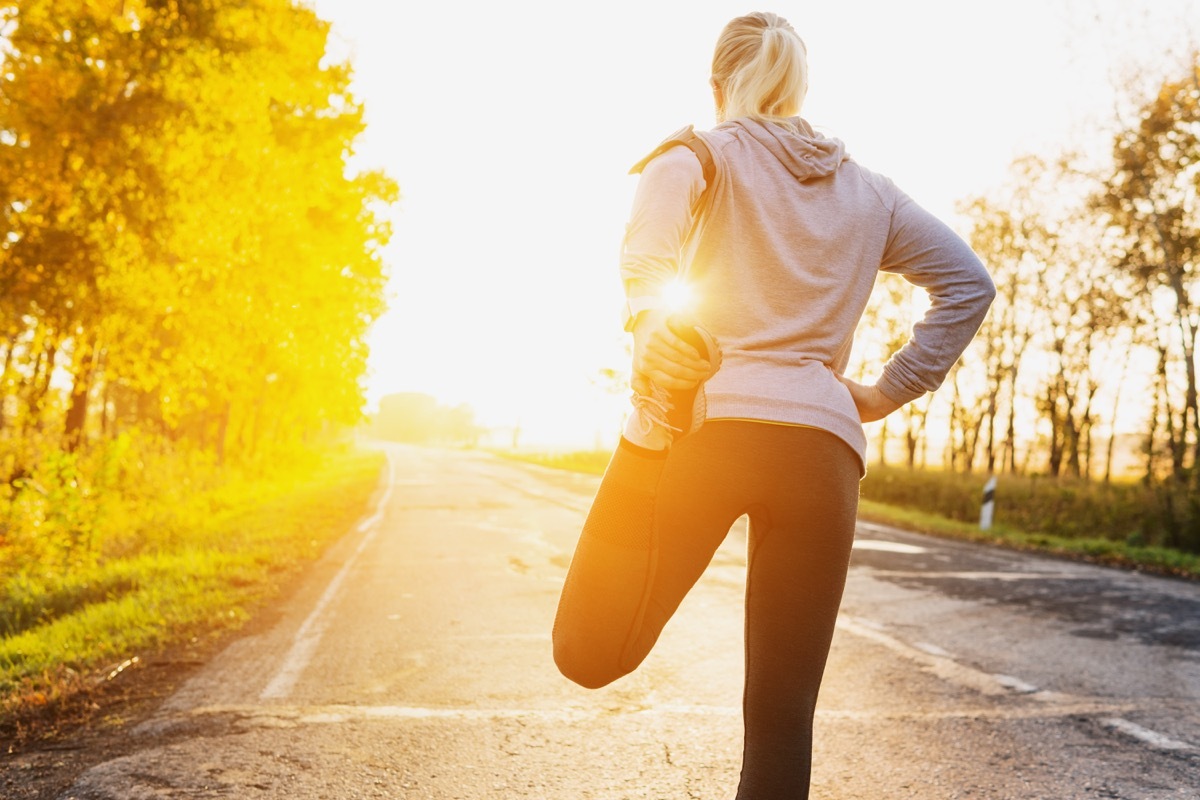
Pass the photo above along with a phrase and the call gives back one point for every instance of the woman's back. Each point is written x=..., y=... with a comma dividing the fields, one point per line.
x=793, y=234
x=791, y=242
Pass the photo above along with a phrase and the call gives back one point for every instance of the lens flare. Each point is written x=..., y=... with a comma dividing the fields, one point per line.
x=677, y=296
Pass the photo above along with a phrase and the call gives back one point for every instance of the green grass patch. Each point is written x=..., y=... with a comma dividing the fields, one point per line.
x=1064, y=506
x=1161, y=516
x=200, y=566
x=1158, y=560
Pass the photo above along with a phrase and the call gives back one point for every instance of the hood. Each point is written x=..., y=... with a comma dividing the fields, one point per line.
x=805, y=153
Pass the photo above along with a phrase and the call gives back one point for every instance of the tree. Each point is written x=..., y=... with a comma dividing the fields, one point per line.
x=885, y=326
x=1149, y=201
x=1016, y=232
x=178, y=218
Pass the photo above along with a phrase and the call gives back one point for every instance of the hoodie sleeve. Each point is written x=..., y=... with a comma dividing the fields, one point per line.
x=660, y=221
x=930, y=255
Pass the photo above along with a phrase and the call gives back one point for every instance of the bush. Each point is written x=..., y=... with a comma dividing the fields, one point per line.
x=90, y=526
x=1131, y=513
x=132, y=545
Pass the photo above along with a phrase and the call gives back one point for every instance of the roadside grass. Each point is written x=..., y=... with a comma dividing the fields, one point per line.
x=1114, y=553
x=227, y=549
x=1126, y=554
x=591, y=462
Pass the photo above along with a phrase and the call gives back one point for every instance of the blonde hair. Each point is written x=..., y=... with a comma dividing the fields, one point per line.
x=761, y=67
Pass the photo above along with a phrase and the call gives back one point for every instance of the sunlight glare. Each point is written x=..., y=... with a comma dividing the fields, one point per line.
x=678, y=296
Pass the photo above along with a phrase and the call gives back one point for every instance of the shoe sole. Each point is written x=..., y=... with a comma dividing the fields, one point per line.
x=683, y=401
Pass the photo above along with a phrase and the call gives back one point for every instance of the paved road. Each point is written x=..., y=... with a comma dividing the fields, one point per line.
x=416, y=664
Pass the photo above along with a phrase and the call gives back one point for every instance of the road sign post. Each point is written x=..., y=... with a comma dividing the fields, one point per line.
x=987, y=510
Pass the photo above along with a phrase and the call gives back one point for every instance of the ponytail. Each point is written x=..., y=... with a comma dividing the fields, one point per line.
x=761, y=67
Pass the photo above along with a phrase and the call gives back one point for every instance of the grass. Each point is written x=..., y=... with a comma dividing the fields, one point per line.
x=1126, y=554
x=1114, y=553
x=228, y=549
x=591, y=462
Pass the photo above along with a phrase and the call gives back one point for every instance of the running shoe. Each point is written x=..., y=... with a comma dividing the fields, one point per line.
x=660, y=416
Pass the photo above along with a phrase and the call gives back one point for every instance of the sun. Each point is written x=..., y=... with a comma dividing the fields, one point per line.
x=677, y=296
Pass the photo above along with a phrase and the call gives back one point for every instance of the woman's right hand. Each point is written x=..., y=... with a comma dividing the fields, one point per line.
x=664, y=358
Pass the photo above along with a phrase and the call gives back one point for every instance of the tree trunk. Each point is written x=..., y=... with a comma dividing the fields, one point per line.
x=85, y=369
x=108, y=428
x=1152, y=433
x=914, y=427
x=1055, y=445
x=990, y=442
x=1175, y=444
x=223, y=431
x=1112, y=435
x=1071, y=433
x=1085, y=431
x=1187, y=334
x=39, y=385
x=951, y=457
x=1010, y=435
x=4, y=380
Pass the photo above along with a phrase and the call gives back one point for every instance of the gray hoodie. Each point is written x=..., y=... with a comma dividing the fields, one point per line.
x=781, y=258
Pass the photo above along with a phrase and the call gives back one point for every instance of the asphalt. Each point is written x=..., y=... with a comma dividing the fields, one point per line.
x=414, y=662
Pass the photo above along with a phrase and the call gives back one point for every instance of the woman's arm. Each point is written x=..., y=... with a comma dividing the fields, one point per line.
x=659, y=222
x=930, y=255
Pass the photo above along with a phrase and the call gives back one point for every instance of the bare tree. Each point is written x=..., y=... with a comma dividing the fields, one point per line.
x=1149, y=201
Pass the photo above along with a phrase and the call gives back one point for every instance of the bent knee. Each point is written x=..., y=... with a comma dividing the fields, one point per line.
x=586, y=668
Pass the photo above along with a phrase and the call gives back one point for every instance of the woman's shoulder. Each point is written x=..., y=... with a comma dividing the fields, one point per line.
x=683, y=154
x=883, y=186
x=686, y=137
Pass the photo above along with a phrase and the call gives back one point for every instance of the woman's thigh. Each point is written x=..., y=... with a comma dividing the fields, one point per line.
x=779, y=474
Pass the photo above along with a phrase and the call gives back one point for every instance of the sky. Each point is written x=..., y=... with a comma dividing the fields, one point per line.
x=511, y=128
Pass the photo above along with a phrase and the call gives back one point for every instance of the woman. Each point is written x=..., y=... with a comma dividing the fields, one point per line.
x=780, y=245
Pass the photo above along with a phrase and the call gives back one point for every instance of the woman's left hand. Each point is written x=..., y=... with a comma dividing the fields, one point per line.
x=871, y=402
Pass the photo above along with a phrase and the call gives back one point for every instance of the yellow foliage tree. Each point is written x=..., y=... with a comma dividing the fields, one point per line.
x=179, y=221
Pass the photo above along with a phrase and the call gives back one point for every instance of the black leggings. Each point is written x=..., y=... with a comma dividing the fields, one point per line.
x=653, y=528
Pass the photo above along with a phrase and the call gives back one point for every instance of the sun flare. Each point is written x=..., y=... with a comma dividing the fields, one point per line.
x=678, y=296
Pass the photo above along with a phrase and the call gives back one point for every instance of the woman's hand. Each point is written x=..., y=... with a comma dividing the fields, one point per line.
x=664, y=358
x=871, y=402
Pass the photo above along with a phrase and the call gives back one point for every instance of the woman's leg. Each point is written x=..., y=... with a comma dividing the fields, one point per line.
x=800, y=487
x=701, y=494
x=604, y=593
x=652, y=530
x=801, y=534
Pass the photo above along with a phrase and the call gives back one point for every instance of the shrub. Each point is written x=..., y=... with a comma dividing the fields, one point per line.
x=1126, y=512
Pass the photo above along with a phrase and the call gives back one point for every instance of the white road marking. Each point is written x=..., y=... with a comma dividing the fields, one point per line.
x=977, y=576
x=940, y=663
x=888, y=547
x=1152, y=738
x=1015, y=684
x=281, y=715
x=943, y=666
x=308, y=637
x=932, y=649
x=877, y=528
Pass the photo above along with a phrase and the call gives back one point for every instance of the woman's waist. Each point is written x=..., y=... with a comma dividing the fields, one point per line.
x=780, y=376
x=772, y=360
